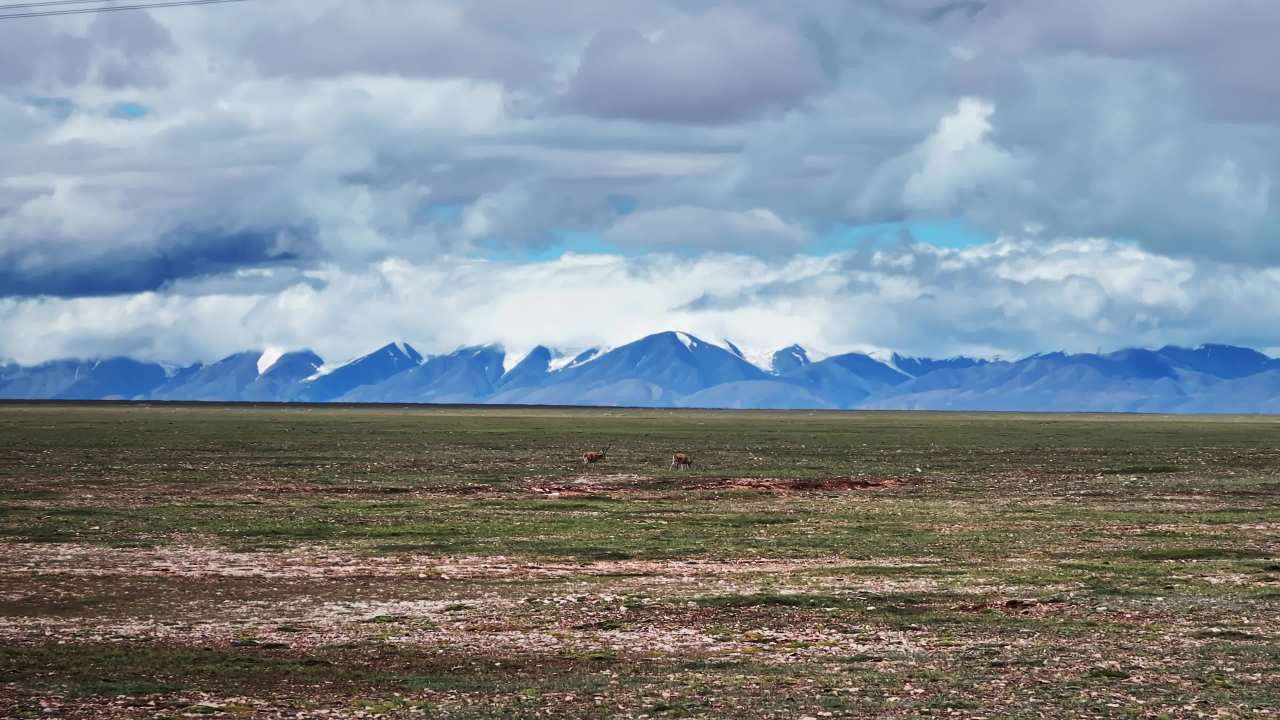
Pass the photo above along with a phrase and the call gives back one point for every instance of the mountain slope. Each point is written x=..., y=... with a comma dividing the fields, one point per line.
x=114, y=378
x=379, y=365
x=654, y=371
x=756, y=394
x=41, y=381
x=279, y=381
x=844, y=381
x=789, y=359
x=468, y=375
x=223, y=380
x=1223, y=361
x=1125, y=381
x=915, y=367
x=532, y=370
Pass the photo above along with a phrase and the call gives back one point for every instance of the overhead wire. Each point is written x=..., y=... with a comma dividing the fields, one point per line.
x=97, y=8
x=48, y=3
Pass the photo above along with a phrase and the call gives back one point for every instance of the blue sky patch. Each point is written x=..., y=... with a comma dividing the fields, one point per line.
x=623, y=204
x=942, y=233
x=128, y=111
x=446, y=213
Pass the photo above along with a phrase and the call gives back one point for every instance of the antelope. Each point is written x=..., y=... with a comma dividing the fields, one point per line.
x=681, y=460
x=594, y=456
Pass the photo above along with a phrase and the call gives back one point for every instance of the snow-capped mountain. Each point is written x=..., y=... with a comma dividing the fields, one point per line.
x=280, y=373
x=654, y=371
x=468, y=375
x=677, y=369
x=789, y=359
x=532, y=370
x=379, y=365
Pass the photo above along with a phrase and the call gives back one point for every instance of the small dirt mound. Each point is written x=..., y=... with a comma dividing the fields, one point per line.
x=317, y=489
x=784, y=485
x=557, y=491
x=779, y=486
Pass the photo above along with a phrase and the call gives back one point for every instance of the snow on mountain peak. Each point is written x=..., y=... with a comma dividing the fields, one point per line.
x=170, y=370
x=510, y=361
x=728, y=345
x=760, y=358
x=268, y=359
x=880, y=355
x=566, y=361
x=687, y=340
x=788, y=359
x=559, y=363
x=393, y=350
x=320, y=372
x=796, y=352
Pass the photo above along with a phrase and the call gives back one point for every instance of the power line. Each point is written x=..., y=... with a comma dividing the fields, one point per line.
x=47, y=3
x=107, y=8
x=99, y=9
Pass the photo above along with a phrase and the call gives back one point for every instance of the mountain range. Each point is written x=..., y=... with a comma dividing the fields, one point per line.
x=676, y=369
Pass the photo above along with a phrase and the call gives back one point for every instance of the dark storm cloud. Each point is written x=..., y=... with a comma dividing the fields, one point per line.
x=181, y=254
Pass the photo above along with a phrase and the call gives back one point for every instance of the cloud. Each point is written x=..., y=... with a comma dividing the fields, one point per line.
x=757, y=231
x=302, y=136
x=94, y=203
x=947, y=169
x=1014, y=296
x=419, y=39
x=1233, y=78
x=721, y=66
x=45, y=270
x=115, y=49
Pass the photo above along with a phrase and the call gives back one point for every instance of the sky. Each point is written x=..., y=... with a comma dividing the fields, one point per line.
x=934, y=177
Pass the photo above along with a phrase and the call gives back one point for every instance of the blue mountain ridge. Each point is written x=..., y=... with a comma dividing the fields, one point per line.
x=676, y=369
x=379, y=365
x=469, y=375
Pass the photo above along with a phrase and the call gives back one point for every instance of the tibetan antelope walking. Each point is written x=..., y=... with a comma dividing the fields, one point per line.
x=594, y=456
x=681, y=460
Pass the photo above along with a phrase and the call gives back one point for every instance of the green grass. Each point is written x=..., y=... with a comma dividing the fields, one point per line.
x=467, y=565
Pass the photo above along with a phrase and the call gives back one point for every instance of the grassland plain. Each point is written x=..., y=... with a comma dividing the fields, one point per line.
x=234, y=561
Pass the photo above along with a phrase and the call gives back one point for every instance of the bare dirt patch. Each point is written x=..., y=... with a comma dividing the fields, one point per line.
x=21, y=559
x=639, y=486
x=785, y=486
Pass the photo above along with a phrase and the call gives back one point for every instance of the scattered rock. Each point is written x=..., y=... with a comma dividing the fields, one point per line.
x=385, y=618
